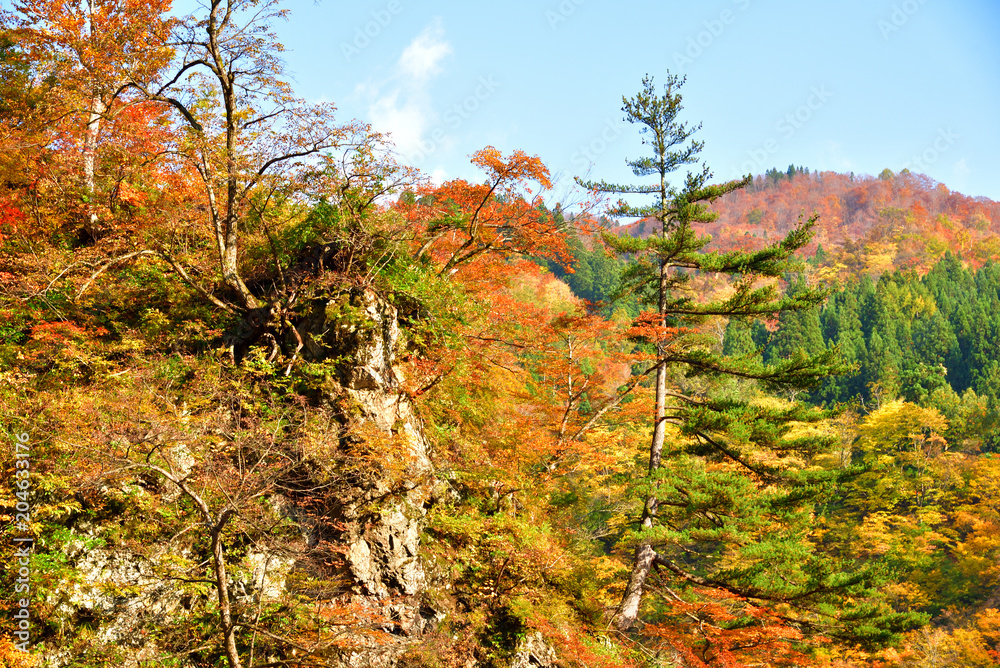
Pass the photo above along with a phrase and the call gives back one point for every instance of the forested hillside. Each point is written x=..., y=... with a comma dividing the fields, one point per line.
x=908, y=335
x=866, y=224
x=271, y=397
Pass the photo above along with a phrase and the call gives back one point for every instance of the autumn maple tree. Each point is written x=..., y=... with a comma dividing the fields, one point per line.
x=247, y=137
x=93, y=52
x=210, y=90
x=459, y=221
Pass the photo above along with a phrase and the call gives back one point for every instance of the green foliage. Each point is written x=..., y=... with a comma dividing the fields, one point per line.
x=773, y=176
x=918, y=338
x=594, y=276
x=730, y=491
x=798, y=330
x=319, y=226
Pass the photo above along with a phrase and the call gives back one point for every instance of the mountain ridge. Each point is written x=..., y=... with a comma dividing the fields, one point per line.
x=865, y=223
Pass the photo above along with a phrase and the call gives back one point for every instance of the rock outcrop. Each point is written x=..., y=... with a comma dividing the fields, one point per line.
x=385, y=454
x=534, y=651
x=383, y=480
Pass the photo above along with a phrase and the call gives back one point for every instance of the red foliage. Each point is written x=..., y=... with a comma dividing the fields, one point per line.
x=10, y=218
x=56, y=332
x=457, y=222
x=719, y=630
x=913, y=216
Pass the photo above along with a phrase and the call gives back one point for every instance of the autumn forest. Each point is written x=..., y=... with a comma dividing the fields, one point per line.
x=270, y=396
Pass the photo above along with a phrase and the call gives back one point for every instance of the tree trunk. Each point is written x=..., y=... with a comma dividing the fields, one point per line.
x=221, y=579
x=222, y=589
x=90, y=137
x=628, y=609
x=230, y=265
x=90, y=146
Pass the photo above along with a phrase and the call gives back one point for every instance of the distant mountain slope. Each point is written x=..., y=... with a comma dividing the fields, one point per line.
x=869, y=224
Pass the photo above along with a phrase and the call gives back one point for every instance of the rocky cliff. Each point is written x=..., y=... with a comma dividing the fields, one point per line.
x=379, y=481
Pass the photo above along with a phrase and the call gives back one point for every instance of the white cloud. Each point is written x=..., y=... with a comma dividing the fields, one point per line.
x=422, y=58
x=401, y=105
x=406, y=120
x=962, y=169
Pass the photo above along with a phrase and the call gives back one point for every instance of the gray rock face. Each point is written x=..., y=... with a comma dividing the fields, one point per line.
x=534, y=651
x=99, y=573
x=392, y=477
x=361, y=332
x=388, y=464
x=385, y=482
x=385, y=538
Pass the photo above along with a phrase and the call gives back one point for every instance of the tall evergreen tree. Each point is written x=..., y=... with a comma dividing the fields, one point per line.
x=842, y=330
x=798, y=330
x=738, y=340
x=697, y=523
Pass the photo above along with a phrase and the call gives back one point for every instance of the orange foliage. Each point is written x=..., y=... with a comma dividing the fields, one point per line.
x=90, y=146
x=459, y=221
x=719, y=630
x=915, y=216
x=95, y=46
x=10, y=657
x=574, y=648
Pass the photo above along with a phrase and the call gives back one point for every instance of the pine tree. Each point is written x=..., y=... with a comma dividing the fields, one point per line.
x=842, y=331
x=738, y=340
x=797, y=330
x=682, y=500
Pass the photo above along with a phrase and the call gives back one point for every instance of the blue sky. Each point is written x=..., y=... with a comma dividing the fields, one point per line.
x=844, y=85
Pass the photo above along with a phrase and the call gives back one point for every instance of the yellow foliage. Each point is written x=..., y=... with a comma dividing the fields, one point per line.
x=11, y=657
x=966, y=648
x=612, y=574
x=908, y=594
x=900, y=425
x=875, y=531
x=988, y=623
x=977, y=558
x=880, y=256
x=545, y=290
